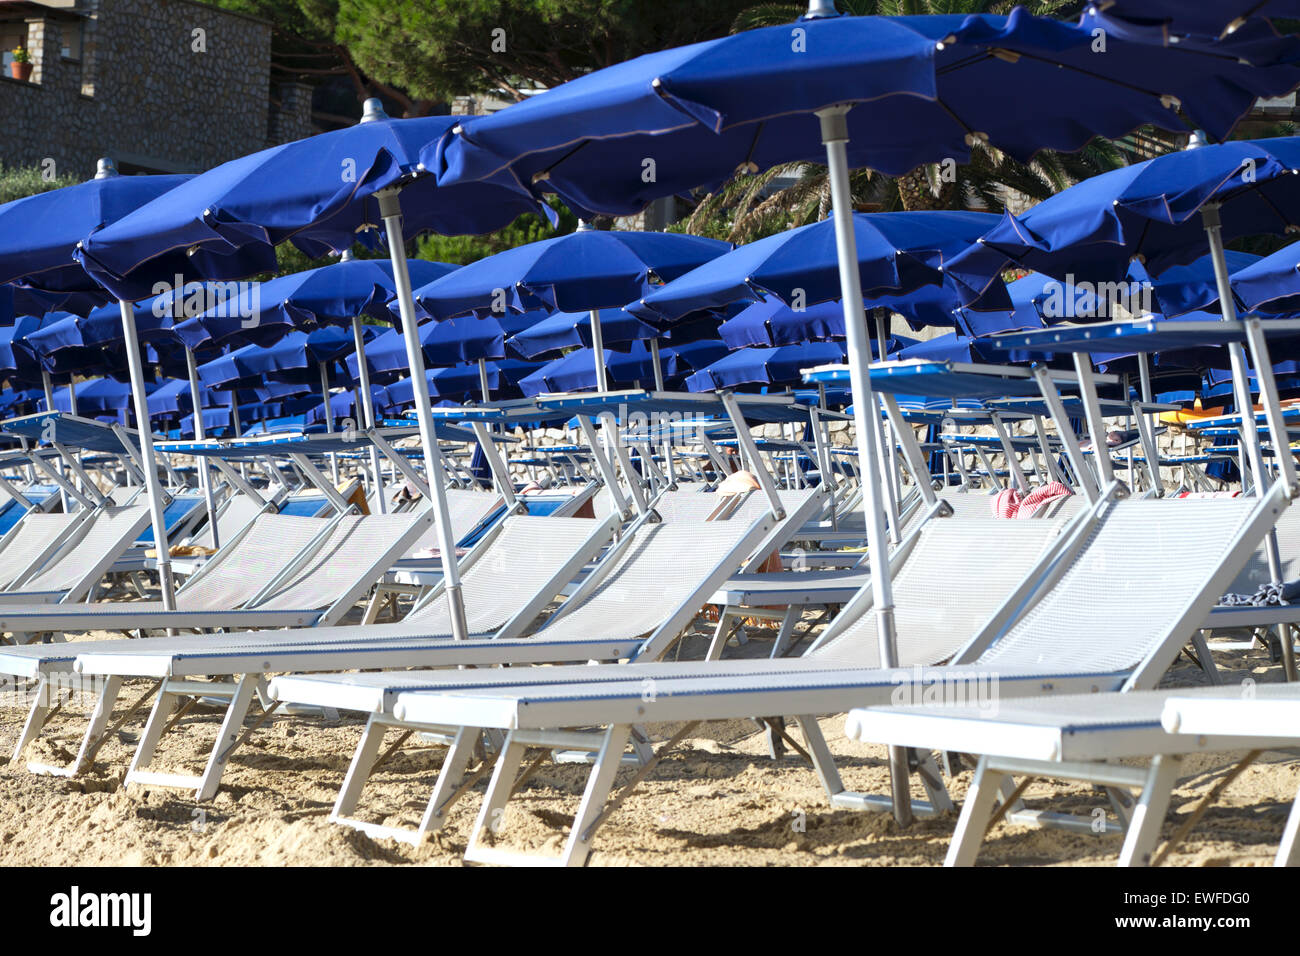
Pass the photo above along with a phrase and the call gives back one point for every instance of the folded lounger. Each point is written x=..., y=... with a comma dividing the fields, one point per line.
x=1081, y=737
x=1109, y=608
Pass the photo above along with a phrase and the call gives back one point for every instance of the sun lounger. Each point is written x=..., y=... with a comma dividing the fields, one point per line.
x=33, y=541
x=652, y=583
x=76, y=567
x=1109, y=608
x=282, y=572
x=1085, y=738
x=962, y=547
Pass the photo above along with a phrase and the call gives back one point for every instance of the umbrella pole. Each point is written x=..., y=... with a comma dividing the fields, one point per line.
x=390, y=209
x=49, y=407
x=152, y=488
x=205, y=477
x=835, y=134
x=72, y=395
x=658, y=365
x=598, y=347
x=483, y=385
x=368, y=409
x=1241, y=381
x=329, y=419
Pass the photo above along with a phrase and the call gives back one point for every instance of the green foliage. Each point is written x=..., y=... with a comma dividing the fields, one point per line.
x=18, y=182
x=461, y=250
x=436, y=49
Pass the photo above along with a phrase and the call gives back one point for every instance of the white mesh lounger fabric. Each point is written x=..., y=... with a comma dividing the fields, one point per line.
x=232, y=578
x=343, y=557
x=1081, y=737
x=74, y=570
x=33, y=541
x=529, y=560
x=1156, y=572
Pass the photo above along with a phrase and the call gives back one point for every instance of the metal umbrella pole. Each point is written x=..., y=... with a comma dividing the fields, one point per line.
x=368, y=410
x=329, y=418
x=205, y=476
x=835, y=136
x=147, y=457
x=390, y=209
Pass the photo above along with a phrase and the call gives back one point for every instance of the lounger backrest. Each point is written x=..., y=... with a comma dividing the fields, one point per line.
x=690, y=505
x=468, y=509
x=657, y=572
x=954, y=580
x=970, y=504
x=527, y=553
x=31, y=539
x=110, y=533
x=247, y=564
x=357, y=551
x=1121, y=596
x=1256, y=570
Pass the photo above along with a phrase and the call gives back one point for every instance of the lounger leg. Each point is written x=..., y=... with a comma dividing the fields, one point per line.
x=1149, y=814
x=984, y=791
x=153, y=730
x=823, y=762
x=359, y=769
x=608, y=762
x=228, y=738
x=35, y=720
x=932, y=779
x=445, y=792
x=782, y=642
x=491, y=815
x=1206, y=658
x=98, y=722
x=1288, y=851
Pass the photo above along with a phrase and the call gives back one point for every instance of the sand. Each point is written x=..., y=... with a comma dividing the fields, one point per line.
x=719, y=801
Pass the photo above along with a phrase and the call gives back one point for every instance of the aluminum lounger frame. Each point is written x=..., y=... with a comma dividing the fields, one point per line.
x=250, y=661
x=530, y=713
x=379, y=700
x=297, y=569
x=88, y=566
x=31, y=549
x=1081, y=739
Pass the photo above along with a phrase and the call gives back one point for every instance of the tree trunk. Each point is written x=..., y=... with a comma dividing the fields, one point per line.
x=915, y=192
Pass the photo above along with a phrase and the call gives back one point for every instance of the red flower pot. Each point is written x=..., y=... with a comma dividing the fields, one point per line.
x=20, y=71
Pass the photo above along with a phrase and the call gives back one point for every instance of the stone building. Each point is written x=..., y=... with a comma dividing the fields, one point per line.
x=159, y=85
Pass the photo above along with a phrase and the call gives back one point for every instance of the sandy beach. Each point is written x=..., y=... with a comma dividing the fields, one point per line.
x=719, y=800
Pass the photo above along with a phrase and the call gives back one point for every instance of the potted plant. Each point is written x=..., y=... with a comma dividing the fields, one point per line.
x=20, y=68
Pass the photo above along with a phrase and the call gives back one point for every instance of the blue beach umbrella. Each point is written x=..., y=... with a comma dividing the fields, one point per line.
x=898, y=253
x=938, y=84
x=772, y=322
x=39, y=233
x=1151, y=211
x=587, y=270
x=1211, y=19
x=782, y=365
x=322, y=194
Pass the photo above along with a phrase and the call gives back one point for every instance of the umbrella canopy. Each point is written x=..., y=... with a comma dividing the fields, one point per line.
x=39, y=233
x=318, y=193
x=1271, y=284
x=296, y=358
x=898, y=253
x=575, y=371
x=1149, y=211
x=562, y=330
x=1206, y=19
x=667, y=122
x=102, y=398
x=772, y=322
x=330, y=295
x=584, y=270
x=783, y=365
